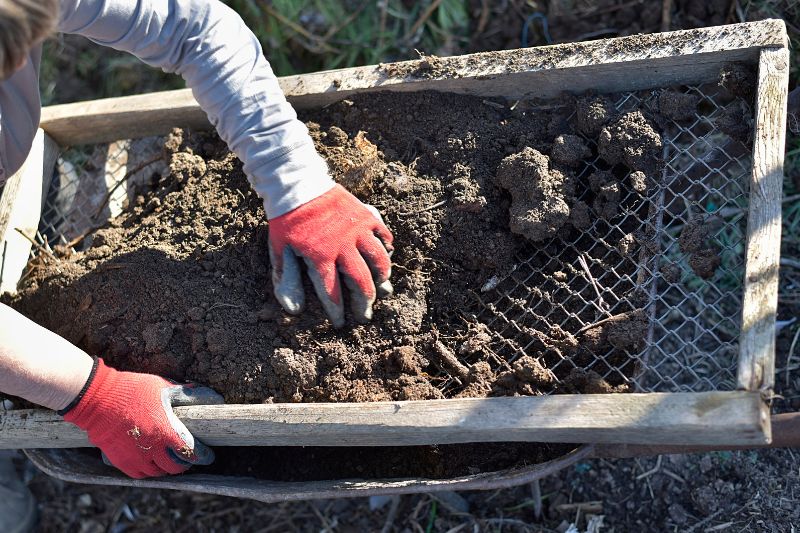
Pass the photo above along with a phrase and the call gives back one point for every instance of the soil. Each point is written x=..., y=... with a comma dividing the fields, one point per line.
x=179, y=285
x=669, y=493
x=695, y=241
x=677, y=106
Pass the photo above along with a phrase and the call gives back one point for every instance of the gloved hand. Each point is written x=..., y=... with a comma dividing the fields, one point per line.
x=335, y=234
x=129, y=417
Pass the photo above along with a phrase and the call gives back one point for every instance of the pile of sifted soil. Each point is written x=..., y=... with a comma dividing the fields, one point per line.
x=179, y=285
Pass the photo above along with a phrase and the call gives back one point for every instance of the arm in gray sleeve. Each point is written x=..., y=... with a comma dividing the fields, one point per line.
x=221, y=60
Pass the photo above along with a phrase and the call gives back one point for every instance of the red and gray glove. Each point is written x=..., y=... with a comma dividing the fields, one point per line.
x=340, y=240
x=129, y=417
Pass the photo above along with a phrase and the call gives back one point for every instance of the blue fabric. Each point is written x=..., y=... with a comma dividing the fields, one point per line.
x=208, y=44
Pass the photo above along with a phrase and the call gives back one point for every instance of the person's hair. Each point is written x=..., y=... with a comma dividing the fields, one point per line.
x=23, y=23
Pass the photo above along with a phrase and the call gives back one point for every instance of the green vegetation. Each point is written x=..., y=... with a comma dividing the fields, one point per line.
x=309, y=35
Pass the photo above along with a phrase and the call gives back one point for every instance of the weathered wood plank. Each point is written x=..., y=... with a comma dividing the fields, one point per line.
x=608, y=65
x=713, y=418
x=757, y=342
x=21, y=207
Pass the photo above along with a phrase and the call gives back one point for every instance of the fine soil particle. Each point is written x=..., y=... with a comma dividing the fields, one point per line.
x=677, y=106
x=607, y=194
x=631, y=140
x=539, y=207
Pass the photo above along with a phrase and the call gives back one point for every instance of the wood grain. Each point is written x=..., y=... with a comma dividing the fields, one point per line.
x=713, y=418
x=607, y=65
x=760, y=302
x=21, y=207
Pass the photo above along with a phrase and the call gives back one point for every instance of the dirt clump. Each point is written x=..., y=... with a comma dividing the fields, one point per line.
x=694, y=235
x=639, y=182
x=736, y=121
x=592, y=113
x=569, y=150
x=694, y=240
x=677, y=106
x=465, y=190
x=705, y=262
x=627, y=244
x=740, y=81
x=539, y=208
x=580, y=215
x=607, y=194
x=581, y=381
x=631, y=140
x=356, y=163
x=671, y=272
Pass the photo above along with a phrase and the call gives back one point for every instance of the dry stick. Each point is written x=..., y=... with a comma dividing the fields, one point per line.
x=449, y=359
x=484, y=18
x=38, y=246
x=316, y=39
x=336, y=29
x=585, y=264
x=666, y=14
x=422, y=19
x=434, y=206
x=391, y=515
x=791, y=354
x=384, y=7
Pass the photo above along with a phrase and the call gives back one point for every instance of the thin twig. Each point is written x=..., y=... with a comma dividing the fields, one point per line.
x=422, y=19
x=38, y=246
x=791, y=354
x=315, y=39
x=391, y=515
x=448, y=359
x=585, y=264
x=434, y=206
x=666, y=15
x=652, y=470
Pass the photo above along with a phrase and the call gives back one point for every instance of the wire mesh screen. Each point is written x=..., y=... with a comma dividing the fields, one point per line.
x=640, y=264
x=671, y=262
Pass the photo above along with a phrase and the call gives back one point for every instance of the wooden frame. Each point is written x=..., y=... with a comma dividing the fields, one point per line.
x=719, y=419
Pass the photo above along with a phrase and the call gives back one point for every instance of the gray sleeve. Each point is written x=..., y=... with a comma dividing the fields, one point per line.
x=221, y=60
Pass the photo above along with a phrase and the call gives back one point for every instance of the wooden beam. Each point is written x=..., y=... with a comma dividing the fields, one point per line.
x=763, y=248
x=712, y=418
x=21, y=207
x=608, y=65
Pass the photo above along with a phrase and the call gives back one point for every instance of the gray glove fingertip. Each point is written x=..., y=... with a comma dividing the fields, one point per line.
x=334, y=311
x=203, y=456
x=184, y=395
x=360, y=303
x=288, y=285
x=106, y=460
x=384, y=289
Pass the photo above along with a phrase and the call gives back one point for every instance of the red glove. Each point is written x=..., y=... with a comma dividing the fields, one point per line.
x=335, y=234
x=129, y=417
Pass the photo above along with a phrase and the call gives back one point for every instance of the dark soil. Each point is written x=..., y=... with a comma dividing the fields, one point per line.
x=179, y=285
x=695, y=241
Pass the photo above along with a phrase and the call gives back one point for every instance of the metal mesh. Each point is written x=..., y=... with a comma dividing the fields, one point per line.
x=558, y=289
x=693, y=323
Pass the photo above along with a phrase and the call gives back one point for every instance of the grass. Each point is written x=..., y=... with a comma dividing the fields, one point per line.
x=308, y=35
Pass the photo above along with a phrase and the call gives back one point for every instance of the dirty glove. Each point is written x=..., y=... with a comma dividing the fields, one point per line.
x=129, y=417
x=340, y=240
